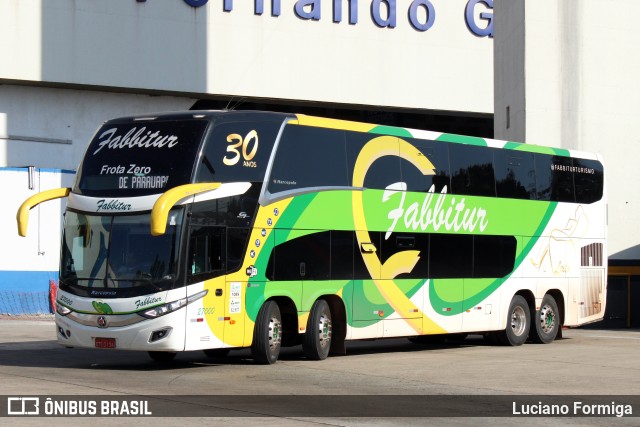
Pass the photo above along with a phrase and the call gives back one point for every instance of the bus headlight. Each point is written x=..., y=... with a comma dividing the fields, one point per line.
x=170, y=307
x=161, y=310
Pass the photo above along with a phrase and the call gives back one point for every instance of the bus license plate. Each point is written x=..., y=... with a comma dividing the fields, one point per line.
x=105, y=343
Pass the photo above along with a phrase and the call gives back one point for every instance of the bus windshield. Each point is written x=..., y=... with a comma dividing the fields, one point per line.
x=117, y=256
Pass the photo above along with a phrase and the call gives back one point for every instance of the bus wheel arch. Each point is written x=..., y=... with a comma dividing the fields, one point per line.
x=547, y=321
x=518, y=323
x=289, y=313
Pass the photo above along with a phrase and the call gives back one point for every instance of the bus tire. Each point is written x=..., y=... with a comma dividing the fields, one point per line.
x=267, y=334
x=518, y=323
x=316, y=342
x=547, y=321
x=162, y=356
x=216, y=353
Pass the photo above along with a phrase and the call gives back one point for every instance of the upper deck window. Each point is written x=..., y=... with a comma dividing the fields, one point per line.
x=313, y=158
x=238, y=151
x=515, y=174
x=472, y=170
x=309, y=158
x=439, y=178
x=137, y=158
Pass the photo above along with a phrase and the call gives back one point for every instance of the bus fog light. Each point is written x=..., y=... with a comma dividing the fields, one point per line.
x=61, y=332
x=159, y=334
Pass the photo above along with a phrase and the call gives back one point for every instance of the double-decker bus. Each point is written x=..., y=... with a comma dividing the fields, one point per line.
x=215, y=230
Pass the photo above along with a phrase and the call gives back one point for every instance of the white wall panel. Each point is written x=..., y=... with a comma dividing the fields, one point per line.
x=50, y=128
x=171, y=46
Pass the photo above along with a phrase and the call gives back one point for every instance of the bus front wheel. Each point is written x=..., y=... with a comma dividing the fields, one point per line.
x=547, y=321
x=267, y=334
x=317, y=339
x=518, y=323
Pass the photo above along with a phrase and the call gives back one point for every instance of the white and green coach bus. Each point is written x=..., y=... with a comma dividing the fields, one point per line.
x=215, y=230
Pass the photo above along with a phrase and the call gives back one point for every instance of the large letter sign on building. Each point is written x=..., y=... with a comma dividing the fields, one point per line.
x=384, y=13
x=413, y=15
x=487, y=16
x=198, y=3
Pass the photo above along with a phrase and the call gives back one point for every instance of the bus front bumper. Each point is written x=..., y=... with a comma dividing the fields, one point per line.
x=166, y=333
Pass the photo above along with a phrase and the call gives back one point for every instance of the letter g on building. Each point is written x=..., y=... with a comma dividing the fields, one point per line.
x=196, y=3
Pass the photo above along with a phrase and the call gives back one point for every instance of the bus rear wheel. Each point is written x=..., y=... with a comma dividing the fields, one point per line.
x=267, y=334
x=518, y=323
x=317, y=339
x=547, y=321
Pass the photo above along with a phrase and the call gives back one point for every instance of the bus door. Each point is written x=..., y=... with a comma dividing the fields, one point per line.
x=206, y=270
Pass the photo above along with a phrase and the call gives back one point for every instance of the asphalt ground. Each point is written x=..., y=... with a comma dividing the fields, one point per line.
x=385, y=382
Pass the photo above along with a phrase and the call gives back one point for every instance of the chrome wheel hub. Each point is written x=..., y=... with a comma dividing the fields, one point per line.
x=518, y=321
x=547, y=319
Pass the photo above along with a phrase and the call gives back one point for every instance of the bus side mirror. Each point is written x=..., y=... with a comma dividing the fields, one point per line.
x=22, y=217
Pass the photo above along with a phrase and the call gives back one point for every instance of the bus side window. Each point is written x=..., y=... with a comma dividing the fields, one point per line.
x=342, y=254
x=309, y=157
x=438, y=155
x=543, y=176
x=554, y=178
x=472, y=170
x=493, y=256
x=515, y=175
x=237, y=151
x=588, y=177
x=384, y=170
x=318, y=255
x=198, y=262
x=207, y=246
x=360, y=269
x=450, y=256
x=400, y=242
x=302, y=258
x=236, y=242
